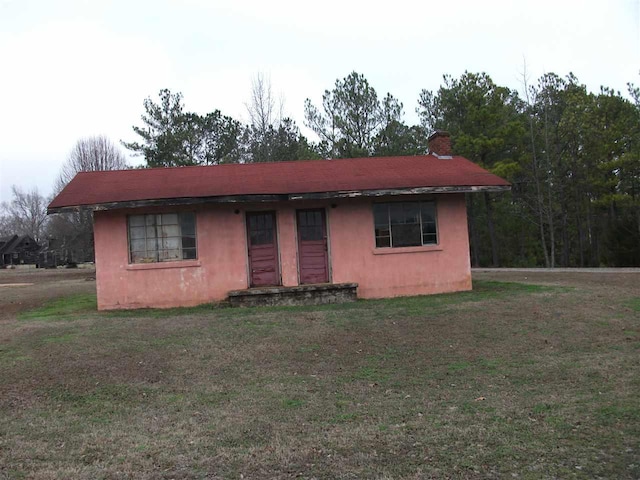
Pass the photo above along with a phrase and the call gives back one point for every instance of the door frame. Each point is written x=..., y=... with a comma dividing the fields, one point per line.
x=325, y=212
x=276, y=233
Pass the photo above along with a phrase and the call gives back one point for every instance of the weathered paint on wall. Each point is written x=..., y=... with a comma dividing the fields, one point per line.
x=222, y=255
x=391, y=272
x=221, y=264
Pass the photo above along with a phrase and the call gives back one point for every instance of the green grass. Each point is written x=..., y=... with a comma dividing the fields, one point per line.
x=79, y=306
x=63, y=338
x=634, y=304
x=293, y=403
x=67, y=308
x=619, y=413
x=509, y=379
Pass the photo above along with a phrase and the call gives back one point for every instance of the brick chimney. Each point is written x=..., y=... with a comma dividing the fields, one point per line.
x=439, y=143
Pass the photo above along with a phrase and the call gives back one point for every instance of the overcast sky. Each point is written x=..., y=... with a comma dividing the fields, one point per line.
x=75, y=68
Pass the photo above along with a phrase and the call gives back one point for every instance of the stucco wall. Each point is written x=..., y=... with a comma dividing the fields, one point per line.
x=222, y=258
x=391, y=272
x=221, y=264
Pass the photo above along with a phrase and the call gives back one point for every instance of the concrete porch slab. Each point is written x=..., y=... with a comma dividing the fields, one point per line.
x=316, y=294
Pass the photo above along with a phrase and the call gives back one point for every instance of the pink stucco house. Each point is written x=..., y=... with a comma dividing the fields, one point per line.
x=185, y=236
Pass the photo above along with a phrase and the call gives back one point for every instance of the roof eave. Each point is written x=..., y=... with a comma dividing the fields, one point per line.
x=280, y=197
x=399, y=191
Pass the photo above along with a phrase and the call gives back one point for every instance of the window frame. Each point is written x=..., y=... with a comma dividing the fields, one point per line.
x=420, y=203
x=157, y=251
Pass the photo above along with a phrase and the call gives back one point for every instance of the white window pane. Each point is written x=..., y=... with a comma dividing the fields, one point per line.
x=174, y=254
x=137, y=245
x=143, y=257
x=160, y=237
x=137, y=257
x=136, y=220
x=169, y=219
x=152, y=244
x=171, y=243
x=169, y=255
x=136, y=233
x=170, y=231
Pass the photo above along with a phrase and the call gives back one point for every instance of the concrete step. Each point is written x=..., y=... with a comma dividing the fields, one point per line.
x=316, y=294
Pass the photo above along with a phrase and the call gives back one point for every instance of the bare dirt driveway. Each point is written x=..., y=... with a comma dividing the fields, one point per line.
x=22, y=290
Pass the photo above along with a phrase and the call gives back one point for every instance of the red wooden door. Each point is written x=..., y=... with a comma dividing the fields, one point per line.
x=263, y=249
x=313, y=257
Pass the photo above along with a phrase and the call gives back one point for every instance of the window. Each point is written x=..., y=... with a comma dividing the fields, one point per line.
x=162, y=237
x=405, y=224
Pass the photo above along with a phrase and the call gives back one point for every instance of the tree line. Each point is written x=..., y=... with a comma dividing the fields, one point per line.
x=572, y=156
x=351, y=122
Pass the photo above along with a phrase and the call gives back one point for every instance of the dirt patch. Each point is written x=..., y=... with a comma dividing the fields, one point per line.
x=39, y=286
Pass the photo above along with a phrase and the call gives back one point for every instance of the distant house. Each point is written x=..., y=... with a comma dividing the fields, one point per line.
x=169, y=237
x=52, y=254
x=67, y=250
x=18, y=250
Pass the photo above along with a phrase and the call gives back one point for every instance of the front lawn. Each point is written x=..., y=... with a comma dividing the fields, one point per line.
x=508, y=380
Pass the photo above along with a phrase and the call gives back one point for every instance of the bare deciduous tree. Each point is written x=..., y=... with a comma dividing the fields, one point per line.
x=265, y=110
x=91, y=154
x=25, y=214
x=75, y=229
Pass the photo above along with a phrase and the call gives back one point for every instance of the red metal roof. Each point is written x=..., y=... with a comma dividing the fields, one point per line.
x=298, y=177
